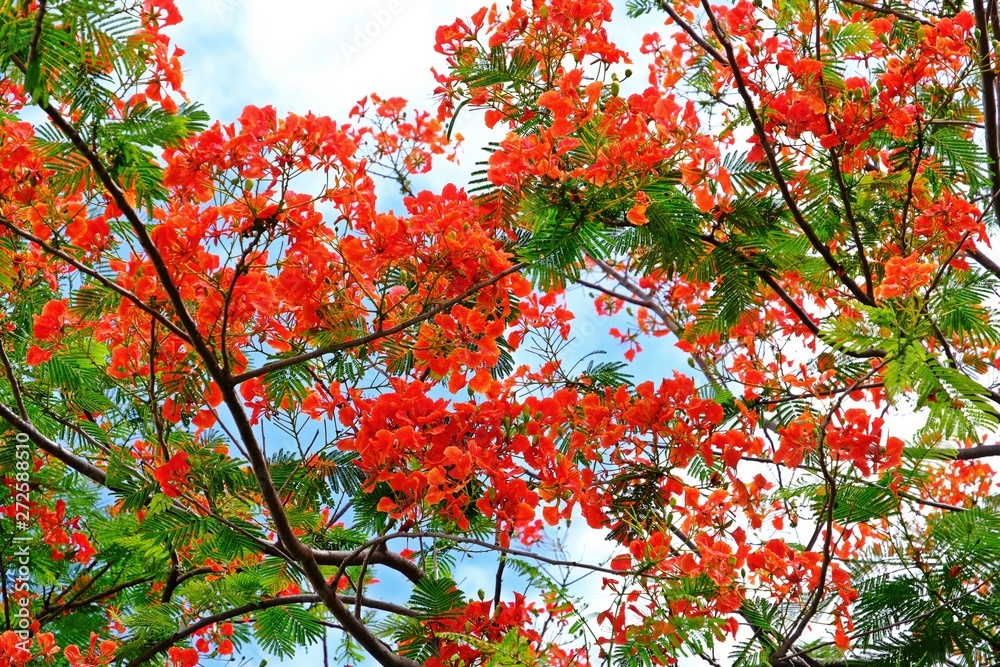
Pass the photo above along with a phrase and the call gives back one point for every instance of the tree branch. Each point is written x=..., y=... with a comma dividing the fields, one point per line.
x=15, y=385
x=830, y=480
x=646, y=299
x=390, y=559
x=988, y=79
x=666, y=6
x=255, y=455
x=377, y=335
x=74, y=603
x=838, y=176
x=80, y=465
x=980, y=452
x=985, y=261
x=36, y=35
x=888, y=626
x=890, y=11
x=772, y=161
x=86, y=270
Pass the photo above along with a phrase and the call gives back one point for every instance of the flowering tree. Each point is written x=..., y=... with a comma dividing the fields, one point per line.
x=237, y=390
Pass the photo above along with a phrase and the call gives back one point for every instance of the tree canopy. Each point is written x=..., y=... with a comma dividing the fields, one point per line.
x=238, y=389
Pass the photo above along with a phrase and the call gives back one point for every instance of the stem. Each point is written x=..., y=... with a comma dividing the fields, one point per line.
x=35, y=35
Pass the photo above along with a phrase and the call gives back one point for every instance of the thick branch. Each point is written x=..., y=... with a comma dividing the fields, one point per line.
x=390, y=559
x=855, y=233
x=980, y=452
x=988, y=78
x=82, y=466
x=358, y=554
x=15, y=385
x=985, y=261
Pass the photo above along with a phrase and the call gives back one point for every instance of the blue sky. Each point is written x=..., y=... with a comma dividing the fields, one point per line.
x=323, y=56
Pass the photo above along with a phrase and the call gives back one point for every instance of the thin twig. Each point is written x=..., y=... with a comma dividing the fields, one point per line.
x=36, y=35
x=666, y=6
x=377, y=335
x=890, y=11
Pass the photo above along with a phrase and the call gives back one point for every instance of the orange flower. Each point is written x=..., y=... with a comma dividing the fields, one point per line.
x=37, y=355
x=637, y=214
x=905, y=275
x=96, y=655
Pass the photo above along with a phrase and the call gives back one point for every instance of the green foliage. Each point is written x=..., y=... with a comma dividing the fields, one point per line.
x=964, y=158
x=926, y=611
x=861, y=504
x=606, y=375
x=76, y=40
x=284, y=630
x=436, y=597
x=802, y=241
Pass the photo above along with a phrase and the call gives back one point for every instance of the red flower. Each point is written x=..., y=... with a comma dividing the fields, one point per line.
x=52, y=321
x=37, y=355
x=96, y=655
x=183, y=657
x=172, y=473
x=13, y=651
x=84, y=551
x=637, y=214
x=165, y=11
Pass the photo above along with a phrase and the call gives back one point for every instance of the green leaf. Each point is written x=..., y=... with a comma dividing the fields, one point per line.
x=436, y=597
x=860, y=503
x=33, y=78
x=285, y=630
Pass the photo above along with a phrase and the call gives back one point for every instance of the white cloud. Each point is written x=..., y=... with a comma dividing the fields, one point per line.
x=314, y=55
